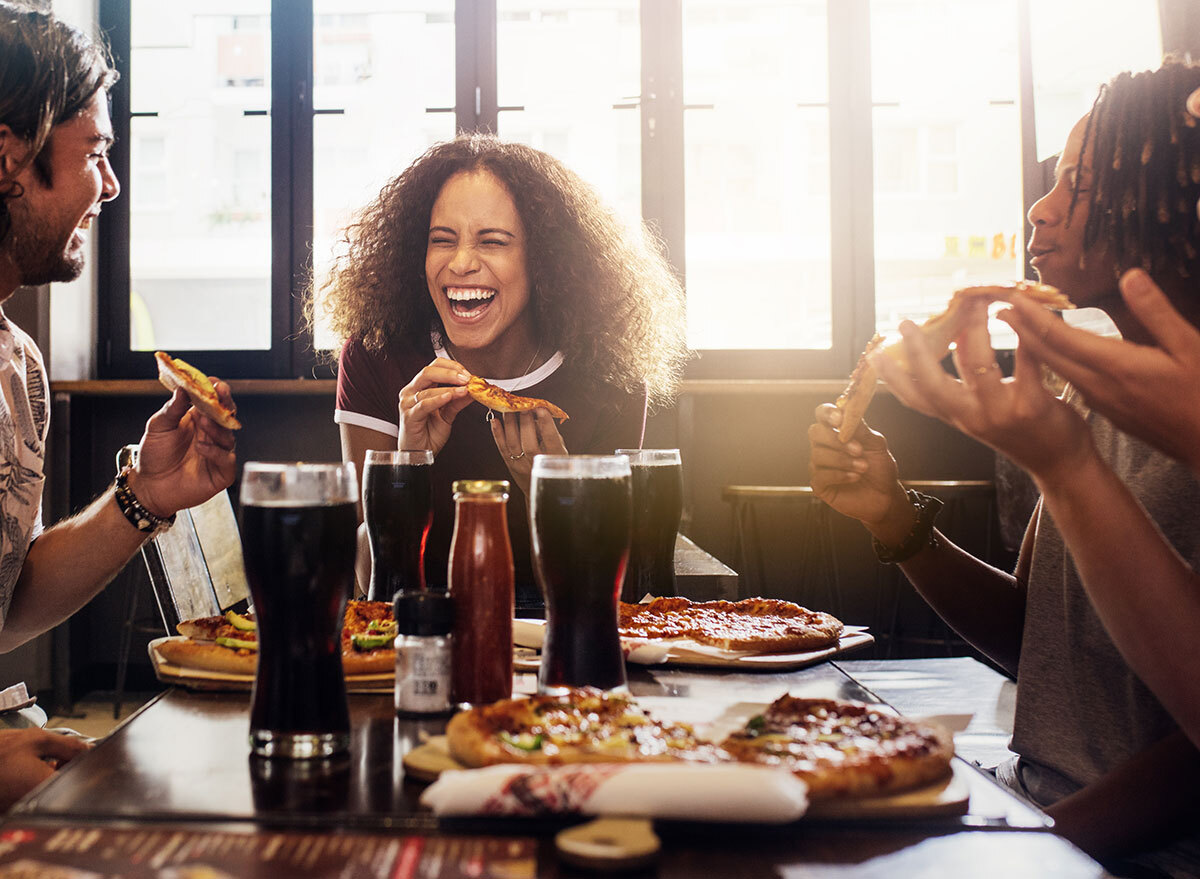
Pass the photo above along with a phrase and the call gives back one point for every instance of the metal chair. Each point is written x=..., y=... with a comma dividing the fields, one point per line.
x=195, y=570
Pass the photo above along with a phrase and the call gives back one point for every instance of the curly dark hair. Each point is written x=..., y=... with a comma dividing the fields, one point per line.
x=601, y=292
x=48, y=72
x=1145, y=172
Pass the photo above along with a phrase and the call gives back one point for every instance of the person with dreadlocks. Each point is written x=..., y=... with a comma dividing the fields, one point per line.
x=1097, y=726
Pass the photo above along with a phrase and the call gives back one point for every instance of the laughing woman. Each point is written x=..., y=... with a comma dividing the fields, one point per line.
x=493, y=259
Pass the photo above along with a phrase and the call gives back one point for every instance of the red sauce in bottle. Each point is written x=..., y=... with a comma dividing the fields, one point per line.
x=481, y=585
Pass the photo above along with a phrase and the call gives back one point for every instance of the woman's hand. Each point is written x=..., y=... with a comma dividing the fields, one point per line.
x=430, y=403
x=521, y=435
x=1150, y=392
x=859, y=478
x=1016, y=416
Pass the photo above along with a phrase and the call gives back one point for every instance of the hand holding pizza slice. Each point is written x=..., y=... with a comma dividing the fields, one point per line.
x=175, y=373
x=500, y=400
x=940, y=330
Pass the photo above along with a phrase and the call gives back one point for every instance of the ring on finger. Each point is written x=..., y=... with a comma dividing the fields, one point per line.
x=984, y=370
x=517, y=457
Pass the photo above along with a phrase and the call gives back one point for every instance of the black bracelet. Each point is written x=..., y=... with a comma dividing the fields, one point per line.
x=131, y=508
x=921, y=536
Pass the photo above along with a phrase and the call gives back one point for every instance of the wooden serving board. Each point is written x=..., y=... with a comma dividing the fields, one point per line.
x=203, y=679
x=947, y=797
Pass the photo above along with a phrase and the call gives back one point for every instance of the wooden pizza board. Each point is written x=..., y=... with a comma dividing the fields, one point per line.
x=947, y=797
x=203, y=679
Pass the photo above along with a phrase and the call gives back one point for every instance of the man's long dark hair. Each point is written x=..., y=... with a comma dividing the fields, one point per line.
x=1145, y=172
x=48, y=72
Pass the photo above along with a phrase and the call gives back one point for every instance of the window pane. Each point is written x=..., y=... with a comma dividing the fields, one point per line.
x=574, y=69
x=199, y=189
x=1075, y=50
x=386, y=67
x=756, y=166
x=947, y=152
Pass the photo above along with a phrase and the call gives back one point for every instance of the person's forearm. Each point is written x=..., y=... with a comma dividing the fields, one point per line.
x=984, y=605
x=981, y=603
x=1146, y=595
x=1141, y=804
x=67, y=566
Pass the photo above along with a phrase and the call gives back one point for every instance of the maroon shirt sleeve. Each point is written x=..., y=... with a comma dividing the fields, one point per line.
x=369, y=382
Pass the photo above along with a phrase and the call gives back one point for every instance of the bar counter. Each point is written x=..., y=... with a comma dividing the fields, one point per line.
x=181, y=766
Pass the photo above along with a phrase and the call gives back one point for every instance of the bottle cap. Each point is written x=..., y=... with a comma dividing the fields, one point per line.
x=480, y=486
x=423, y=613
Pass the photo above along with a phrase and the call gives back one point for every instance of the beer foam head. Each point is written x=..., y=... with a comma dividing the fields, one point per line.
x=580, y=466
x=298, y=484
x=651, y=457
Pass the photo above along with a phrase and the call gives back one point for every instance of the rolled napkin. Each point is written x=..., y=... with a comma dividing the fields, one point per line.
x=678, y=791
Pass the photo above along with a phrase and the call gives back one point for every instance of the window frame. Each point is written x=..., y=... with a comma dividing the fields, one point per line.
x=291, y=355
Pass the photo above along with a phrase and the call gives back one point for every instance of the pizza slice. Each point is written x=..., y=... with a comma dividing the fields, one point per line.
x=844, y=749
x=501, y=400
x=229, y=643
x=175, y=373
x=941, y=330
x=584, y=726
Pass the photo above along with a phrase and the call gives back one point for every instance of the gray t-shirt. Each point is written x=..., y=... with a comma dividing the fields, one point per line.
x=1080, y=709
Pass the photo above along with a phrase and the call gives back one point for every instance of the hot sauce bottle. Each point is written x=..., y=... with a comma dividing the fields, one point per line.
x=481, y=586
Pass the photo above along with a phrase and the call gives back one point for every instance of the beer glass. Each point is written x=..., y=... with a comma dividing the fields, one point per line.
x=580, y=512
x=398, y=509
x=657, y=508
x=298, y=540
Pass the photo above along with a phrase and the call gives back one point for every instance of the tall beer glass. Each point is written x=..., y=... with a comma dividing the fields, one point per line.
x=298, y=540
x=580, y=512
x=657, y=508
x=398, y=509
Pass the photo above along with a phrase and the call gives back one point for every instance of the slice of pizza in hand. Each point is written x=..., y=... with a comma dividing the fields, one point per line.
x=501, y=400
x=175, y=373
x=941, y=330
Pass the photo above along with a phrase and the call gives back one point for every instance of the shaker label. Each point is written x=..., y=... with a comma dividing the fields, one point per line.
x=422, y=679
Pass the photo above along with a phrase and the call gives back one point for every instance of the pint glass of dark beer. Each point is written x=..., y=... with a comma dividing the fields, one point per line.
x=298, y=540
x=398, y=508
x=580, y=513
x=657, y=508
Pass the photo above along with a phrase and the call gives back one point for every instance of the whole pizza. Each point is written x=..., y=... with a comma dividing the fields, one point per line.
x=584, y=726
x=229, y=643
x=753, y=625
x=844, y=749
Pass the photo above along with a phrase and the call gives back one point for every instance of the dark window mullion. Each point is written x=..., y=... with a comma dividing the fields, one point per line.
x=475, y=65
x=852, y=179
x=112, y=269
x=662, y=124
x=291, y=183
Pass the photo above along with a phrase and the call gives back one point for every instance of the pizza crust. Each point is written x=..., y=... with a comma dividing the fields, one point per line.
x=174, y=373
x=501, y=400
x=207, y=656
x=941, y=330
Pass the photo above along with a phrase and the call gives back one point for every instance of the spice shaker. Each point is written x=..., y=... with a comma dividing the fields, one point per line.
x=424, y=621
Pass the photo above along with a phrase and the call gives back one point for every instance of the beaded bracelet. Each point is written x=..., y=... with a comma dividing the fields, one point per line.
x=921, y=536
x=131, y=508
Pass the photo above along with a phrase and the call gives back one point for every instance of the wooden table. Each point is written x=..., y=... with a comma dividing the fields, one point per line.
x=183, y=763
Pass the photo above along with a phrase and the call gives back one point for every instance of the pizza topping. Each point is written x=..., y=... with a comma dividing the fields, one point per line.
x=244, y=623
x=237, y=643
x=379, y=633
x=754, y=625
x=501, y=400
x=524, y=741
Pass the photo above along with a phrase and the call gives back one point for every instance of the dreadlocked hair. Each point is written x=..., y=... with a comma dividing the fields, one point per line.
x=1145, y=172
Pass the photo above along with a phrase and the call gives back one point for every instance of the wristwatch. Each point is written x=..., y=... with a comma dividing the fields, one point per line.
x=921, y=536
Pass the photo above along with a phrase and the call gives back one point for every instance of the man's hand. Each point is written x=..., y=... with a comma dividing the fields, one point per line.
x=185, y=457
x=29, y=756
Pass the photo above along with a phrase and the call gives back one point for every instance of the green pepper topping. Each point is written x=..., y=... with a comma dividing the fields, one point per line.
x=371, y=641
x=237, y=644
x=756, y=724
x=524, y=742
x=240, y=622
x=383, y=627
